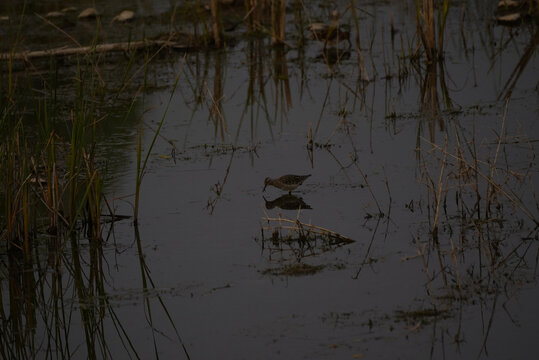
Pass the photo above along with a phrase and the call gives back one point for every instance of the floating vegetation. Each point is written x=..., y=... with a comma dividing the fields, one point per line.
x=294, y=240
x=300, y=269
x=424, y=316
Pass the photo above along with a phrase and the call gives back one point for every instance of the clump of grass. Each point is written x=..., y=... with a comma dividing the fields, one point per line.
x=425, y=315
x=51, y=180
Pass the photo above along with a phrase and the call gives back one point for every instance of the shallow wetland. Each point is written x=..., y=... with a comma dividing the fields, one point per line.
x=133, y=153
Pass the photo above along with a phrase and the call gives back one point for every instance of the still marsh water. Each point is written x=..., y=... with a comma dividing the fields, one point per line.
x=415, y=237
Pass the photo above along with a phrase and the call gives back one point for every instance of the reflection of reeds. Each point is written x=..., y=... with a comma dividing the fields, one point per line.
x=257, y=98
x=256, y=93
x=519, y=68
x=278, y=20
x=148, y=286
x=432, y=87
x=473, y=208
x=281, y=79
x=58, y=296
x=216, y=100
x=362, y=71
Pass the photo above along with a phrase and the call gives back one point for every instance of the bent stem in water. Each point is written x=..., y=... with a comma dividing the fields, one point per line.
x=141, y=165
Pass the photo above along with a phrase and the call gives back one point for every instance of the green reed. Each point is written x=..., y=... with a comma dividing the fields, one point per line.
x=51, y=190
x=37, y=182
x=142, y=162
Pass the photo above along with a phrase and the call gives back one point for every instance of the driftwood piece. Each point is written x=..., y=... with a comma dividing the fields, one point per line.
x=121, y=46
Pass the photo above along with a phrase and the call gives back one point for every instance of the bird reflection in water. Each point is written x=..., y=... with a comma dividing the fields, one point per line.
x=287, y=202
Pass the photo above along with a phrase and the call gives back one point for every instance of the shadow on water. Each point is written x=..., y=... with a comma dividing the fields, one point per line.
x=287, y=202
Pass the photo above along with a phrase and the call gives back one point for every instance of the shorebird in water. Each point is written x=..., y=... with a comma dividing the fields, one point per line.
x=286, y=182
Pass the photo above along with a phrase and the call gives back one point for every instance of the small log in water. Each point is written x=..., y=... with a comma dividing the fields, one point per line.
x=122, y=46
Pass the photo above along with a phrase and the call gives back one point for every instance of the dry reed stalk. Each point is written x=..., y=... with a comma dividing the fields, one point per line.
x=260, y=7
x=282, y=22
x=297, y=225
x=278, y=21
x=371, y=52
x=59, y=29
x=249, y=10
x=426, y=27
x=274, y=20
x=362, y=70
x=215, y=110
x=342, y=120
x=490, y=189
x=440, y=189
x=420, y=254
x=216, y=27
x=455, y=261
x=253, y=14
x=519, y=68
x=437, y=188
x=50, y=194
x=427, y=30
x=430, y=98
x=369, y=187
x=474, y=168
x=324, y=104
x=443, y=10
x=219, y=186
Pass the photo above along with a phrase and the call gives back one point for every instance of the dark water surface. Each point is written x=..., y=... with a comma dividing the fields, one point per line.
x=207, y=274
